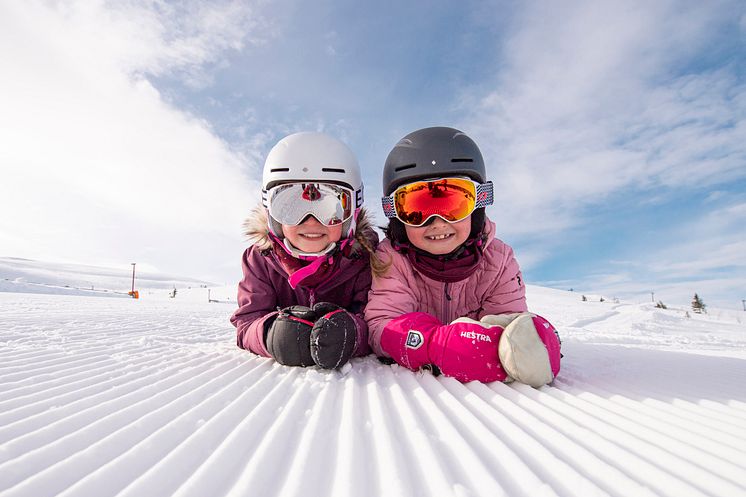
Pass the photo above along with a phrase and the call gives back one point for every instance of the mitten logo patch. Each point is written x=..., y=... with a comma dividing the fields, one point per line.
x=414, y=339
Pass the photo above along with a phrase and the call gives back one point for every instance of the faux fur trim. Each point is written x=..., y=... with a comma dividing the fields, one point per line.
x=256, y=230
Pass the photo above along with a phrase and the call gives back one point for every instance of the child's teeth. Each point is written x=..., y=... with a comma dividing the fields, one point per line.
x=438, y=237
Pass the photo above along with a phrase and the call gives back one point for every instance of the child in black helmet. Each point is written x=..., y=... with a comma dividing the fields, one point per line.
x=452, y=298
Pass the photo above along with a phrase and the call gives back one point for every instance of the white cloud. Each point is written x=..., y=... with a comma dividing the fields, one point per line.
x=705, y=254
x=589, y=102
x=96, y=165
x=594, y=100
x=331, y=39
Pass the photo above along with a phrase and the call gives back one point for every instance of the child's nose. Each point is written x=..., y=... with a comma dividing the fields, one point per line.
x=311, y=221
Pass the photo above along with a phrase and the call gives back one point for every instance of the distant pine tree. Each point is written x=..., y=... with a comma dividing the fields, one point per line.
x=661, y=305
x=697, y=305
x=585, y=299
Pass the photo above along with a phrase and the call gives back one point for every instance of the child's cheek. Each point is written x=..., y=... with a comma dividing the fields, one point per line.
x=416, y=236
x=334, y=233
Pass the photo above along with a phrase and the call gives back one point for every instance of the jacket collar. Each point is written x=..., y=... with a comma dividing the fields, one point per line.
x=456, y=266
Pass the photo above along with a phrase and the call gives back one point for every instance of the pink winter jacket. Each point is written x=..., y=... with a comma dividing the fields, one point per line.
x=496, y=287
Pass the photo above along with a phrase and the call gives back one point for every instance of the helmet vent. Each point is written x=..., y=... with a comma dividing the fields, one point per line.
x=462, y=159
x=280, y=170
x=402, y=168
x=332, y=170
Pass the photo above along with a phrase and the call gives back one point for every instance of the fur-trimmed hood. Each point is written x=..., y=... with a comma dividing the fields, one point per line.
x=256, y=230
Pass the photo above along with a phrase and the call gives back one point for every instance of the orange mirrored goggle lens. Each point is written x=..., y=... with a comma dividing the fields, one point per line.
x=453, y=199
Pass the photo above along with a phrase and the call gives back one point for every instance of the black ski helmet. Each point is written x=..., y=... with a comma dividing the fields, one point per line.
x=432, y=153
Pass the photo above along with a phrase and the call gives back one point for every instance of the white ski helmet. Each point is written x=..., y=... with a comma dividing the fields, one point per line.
x=312, y=156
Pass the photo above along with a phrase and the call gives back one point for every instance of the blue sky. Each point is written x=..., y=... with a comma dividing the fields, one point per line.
x=615, y=132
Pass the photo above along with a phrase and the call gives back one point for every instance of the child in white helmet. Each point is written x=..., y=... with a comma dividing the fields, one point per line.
x=307, y=274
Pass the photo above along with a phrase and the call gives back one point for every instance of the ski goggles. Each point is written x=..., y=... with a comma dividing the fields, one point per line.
x=452, y=199
x=291, y=203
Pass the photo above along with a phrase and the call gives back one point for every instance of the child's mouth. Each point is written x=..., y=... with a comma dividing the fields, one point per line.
x=312, y=236
x=439, y=237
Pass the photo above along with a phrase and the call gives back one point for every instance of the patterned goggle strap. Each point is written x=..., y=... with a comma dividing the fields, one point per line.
x=485, y=195
x=388, y=206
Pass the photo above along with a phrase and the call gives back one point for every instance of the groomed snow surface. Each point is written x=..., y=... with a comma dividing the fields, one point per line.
x=151, y=397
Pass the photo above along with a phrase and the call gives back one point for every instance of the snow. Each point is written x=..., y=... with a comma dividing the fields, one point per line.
x=117, y=396
x=31, y=276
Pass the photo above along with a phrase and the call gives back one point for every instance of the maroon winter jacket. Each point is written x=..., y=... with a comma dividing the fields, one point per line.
x=265, y=287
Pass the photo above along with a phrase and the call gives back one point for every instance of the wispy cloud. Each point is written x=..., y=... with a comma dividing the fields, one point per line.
x=596, y=101
x=97, y=166
x=136, y=130
x=704, y=254
x=595, y=98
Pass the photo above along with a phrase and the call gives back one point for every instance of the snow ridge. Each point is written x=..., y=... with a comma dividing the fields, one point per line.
x=104, y=397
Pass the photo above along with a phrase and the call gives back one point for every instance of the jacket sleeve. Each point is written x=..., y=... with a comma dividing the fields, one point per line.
x=508, y=295
x=257, y=301
x=390, y=296
x=357, y=309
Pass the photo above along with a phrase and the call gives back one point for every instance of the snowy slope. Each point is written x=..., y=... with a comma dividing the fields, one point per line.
x=151, y=397
x=31, y=276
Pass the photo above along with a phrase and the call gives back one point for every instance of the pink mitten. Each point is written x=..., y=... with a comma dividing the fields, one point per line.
x=467, y=350
x=406, y=339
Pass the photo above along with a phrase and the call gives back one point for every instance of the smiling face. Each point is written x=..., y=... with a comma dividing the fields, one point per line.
x=439, y=237
x=311, y=236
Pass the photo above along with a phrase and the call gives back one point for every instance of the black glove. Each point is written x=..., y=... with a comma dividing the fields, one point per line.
x=289, y=338
x=333, y=336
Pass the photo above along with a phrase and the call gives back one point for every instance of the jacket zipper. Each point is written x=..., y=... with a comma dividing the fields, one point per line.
x=311, y=298
x=446, y=304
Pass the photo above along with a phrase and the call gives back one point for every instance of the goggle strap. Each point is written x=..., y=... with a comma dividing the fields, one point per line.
x=264, y=199
x=485, y=195
x=388, y=206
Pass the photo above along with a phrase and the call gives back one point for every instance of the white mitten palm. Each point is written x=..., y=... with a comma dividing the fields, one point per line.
x=529, y=347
